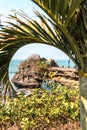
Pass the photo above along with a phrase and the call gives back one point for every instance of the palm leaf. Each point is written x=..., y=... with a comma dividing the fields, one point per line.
x=59, y=10
x=57, y=29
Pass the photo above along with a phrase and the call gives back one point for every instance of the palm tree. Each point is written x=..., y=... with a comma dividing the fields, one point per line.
x=64, y=26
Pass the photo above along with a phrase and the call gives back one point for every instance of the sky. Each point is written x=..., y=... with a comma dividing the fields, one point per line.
x=28, y=7
x=40, y=49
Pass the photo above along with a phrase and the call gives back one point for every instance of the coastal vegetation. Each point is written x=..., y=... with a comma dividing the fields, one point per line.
x=42, y=109
x=64, y=27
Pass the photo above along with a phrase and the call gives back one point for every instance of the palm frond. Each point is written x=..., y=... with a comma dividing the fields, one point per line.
x=58, y=29
x=60, y=11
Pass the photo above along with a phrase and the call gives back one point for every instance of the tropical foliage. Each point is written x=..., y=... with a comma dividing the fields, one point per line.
x=64, y=26
x=42, y=108
x=59, y=29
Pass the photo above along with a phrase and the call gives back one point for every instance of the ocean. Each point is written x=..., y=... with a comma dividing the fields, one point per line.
x=13, y=66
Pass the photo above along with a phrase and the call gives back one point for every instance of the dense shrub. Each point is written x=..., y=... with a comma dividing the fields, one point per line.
x=42, y=107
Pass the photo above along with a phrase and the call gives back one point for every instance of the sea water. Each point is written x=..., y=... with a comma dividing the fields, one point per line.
x=13, y=67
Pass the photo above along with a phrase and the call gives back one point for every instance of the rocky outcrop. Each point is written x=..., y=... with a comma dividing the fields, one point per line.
x=34, y=70
x=31, y=72
x=65, y=76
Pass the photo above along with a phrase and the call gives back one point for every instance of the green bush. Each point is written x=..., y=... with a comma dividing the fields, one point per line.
x=42, y=107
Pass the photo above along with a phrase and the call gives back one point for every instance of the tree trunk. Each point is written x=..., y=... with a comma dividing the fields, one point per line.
x=83, y=102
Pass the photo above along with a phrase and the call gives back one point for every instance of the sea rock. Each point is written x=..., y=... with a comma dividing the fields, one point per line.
x=31, y=72
x=34, y=70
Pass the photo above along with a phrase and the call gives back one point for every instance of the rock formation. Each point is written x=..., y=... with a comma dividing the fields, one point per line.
x=32, y=72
